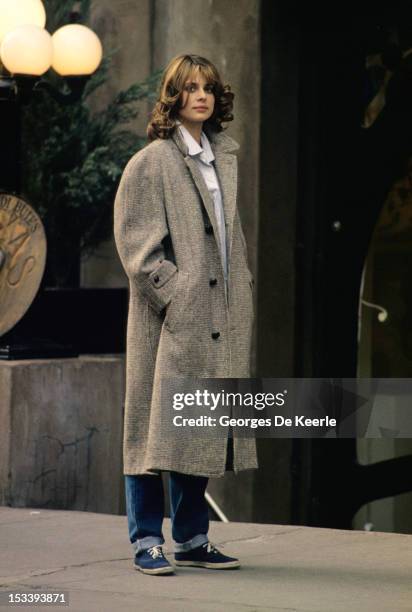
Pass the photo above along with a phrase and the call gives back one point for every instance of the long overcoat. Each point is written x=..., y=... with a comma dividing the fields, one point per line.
x=180, y=321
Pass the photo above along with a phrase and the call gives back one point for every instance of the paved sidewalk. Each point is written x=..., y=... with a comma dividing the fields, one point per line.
x=284, y=567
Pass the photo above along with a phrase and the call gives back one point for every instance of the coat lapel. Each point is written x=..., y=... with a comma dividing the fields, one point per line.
x=226, y=169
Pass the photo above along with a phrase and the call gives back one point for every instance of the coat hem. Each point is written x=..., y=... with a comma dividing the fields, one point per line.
x=155, y=471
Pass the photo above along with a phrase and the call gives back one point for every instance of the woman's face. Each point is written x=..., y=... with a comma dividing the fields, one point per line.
x=198, y=100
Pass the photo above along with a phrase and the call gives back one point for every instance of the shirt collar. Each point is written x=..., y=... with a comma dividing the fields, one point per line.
x=204, y=150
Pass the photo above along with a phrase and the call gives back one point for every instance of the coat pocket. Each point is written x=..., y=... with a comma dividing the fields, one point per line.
x=175, y=310
x=158, y=285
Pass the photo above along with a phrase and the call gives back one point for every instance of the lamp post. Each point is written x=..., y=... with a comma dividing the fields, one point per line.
x=27, y=52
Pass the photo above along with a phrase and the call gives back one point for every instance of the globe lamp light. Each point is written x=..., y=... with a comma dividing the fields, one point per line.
x=27, y=50
x=15, y=13
x=77, y=51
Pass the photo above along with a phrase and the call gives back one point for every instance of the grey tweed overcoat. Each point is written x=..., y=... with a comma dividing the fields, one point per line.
x=180, y=322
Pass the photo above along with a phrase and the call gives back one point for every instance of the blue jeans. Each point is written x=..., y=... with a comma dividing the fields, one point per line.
x=188, y=510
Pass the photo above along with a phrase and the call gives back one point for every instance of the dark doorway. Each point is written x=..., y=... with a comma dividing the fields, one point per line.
x=339, y=157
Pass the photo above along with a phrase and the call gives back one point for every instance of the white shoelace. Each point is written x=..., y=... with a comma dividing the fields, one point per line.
x=155, y=551
x=211, y=547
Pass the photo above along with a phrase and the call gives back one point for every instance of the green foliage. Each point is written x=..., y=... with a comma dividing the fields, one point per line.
x=73, y=158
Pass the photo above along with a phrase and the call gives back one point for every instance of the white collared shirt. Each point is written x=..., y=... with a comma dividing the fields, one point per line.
x=204, y=157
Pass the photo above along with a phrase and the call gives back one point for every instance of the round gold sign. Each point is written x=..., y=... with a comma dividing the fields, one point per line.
x=22, y=258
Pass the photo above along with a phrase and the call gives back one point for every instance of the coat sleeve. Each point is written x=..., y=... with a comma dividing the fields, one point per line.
x=140, y=225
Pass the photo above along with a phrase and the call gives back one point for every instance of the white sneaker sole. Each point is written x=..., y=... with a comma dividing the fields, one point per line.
x=155, y=572
x=206, y=564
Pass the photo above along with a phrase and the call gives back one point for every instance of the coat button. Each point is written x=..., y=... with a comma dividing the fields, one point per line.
x=215, y=335
x=212, y=282
x=156, y=279
x=209, y=229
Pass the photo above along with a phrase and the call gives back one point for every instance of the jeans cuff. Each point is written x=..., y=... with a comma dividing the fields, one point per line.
x=196, y=541
x=147, y=542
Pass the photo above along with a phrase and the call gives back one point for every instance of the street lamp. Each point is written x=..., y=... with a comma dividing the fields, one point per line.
x=27, y=51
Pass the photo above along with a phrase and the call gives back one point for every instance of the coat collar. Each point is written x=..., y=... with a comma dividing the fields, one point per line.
x=226, y=169
x=219, y=141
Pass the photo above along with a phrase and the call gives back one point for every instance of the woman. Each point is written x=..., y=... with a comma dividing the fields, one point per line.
x=179, y=237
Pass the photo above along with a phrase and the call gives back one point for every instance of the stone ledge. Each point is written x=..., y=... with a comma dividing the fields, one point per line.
x=92, y=358
x=61, y=434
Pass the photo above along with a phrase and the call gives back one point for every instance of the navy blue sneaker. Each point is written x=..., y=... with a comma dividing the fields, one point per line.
x=206, y=555
x=152, y=561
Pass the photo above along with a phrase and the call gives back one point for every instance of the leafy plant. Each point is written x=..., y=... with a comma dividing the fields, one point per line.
x=73, y=158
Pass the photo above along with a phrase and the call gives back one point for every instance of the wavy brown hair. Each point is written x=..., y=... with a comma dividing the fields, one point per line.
x=166, y=111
